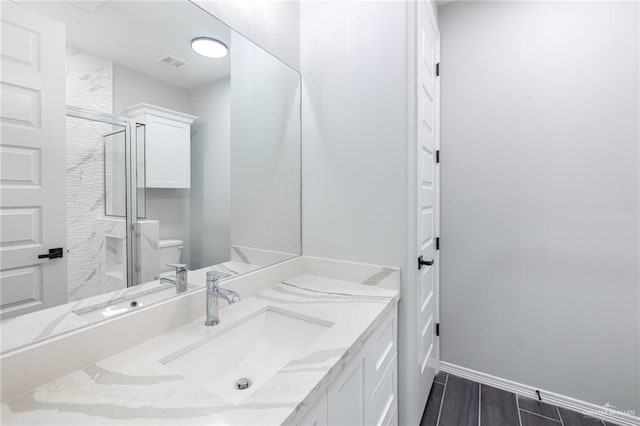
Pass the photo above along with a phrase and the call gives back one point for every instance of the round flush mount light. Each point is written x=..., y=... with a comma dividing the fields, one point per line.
x=209, y=47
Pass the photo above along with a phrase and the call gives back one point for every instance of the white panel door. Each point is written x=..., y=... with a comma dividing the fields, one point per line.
x=32, y=155
x=428, y=200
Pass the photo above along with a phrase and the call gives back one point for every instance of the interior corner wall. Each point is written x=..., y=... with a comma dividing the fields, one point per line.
x=355, y=142
x=272, y=24
x=540, y=175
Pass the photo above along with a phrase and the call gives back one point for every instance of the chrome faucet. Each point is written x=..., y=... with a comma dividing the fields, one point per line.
x=179, y=279
x=214, y=293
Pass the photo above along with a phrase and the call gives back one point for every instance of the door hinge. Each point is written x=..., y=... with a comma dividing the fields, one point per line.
x=438, y=69
x=438, y=329
x=437, y=243
x=438, y=156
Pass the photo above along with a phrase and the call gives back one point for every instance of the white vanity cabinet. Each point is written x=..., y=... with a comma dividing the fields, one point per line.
x=365, y=392
x=317, y=414
x=167, y=145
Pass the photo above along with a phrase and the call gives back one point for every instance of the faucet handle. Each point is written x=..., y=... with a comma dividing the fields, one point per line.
x=180, y=267
x=216, y=275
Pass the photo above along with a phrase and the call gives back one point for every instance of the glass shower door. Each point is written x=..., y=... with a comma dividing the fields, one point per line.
x=106, y=198
x=96, y=209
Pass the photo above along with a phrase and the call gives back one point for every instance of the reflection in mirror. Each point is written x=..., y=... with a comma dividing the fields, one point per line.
x=127, y=151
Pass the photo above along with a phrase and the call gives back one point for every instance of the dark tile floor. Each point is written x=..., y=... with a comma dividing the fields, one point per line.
x=455, y=401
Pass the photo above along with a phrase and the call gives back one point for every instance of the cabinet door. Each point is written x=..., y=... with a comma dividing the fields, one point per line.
x=347, y=396
x=168, y=153
x=317, y=415
x=381, y=407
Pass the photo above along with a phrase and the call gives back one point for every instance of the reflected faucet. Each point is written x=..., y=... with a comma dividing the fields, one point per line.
x=179, y=279
x=214, y=293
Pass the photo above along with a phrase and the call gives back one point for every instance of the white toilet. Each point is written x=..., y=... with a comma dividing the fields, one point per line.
x=170, y=252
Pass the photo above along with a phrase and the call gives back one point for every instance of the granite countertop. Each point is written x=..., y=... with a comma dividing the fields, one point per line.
x=136, y=387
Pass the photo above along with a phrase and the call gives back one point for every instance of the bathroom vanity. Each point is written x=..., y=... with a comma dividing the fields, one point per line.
x=166, y=155
x=315, y=338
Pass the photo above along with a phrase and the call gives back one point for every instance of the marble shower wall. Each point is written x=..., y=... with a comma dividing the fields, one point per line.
x=89, y=85
x=148, y=239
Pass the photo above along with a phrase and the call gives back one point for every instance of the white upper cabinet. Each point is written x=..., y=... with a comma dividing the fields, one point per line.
x=167, y=145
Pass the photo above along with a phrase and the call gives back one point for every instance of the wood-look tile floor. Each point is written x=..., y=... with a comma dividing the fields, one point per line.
x=454, y=401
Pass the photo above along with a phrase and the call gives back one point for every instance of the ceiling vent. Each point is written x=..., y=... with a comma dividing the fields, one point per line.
x=88, y=6
x=172, y=62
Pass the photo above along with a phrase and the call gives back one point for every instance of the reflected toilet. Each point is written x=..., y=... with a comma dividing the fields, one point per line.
x=170, y=252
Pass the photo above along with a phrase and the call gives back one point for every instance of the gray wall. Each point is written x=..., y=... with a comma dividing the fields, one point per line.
x=210, y=174
x=540, y=195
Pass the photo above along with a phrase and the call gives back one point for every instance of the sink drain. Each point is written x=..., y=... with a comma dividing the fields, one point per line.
x=243, y=384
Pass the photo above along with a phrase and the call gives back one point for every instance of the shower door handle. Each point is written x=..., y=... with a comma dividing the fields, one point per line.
x=54, y=253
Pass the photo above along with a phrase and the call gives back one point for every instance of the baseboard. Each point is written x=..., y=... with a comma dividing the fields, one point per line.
x=593, y=410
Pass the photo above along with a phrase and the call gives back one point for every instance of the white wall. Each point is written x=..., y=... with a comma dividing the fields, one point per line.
x=169, y=206
x=265, y=150
x=540, y=194
x=355, y=148
x=354, y=130
x=131, y=87
x=210, y=174
x=273, y=24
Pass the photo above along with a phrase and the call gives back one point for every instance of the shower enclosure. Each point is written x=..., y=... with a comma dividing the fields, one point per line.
x=105, y=199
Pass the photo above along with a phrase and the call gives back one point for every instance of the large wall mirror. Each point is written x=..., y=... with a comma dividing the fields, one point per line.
x=125, y=152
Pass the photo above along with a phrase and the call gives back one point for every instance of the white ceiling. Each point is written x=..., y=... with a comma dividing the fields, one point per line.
x=136, y=33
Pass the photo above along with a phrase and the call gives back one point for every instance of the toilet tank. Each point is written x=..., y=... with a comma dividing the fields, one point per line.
x=170, y=252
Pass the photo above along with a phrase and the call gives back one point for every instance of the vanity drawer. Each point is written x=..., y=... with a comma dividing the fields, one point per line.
x=382, y=406
x=380, y=350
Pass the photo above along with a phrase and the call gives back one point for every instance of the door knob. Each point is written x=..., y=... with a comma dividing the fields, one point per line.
x=54, y=253
x=422, y=262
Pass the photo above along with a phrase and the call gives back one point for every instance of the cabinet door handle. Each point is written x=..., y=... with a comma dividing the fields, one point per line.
x=422, y=262
x=54, y=253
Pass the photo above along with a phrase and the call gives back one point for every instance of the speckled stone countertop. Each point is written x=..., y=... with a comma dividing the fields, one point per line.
x=135, y=387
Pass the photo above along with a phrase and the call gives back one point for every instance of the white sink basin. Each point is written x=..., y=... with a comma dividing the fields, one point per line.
x=127, y=303
x=256, y=348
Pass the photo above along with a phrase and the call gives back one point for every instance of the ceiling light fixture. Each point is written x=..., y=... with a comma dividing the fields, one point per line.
x=209, y=47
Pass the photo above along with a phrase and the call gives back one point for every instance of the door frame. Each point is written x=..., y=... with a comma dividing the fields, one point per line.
x=432, y=17
x=438, y=188
x=410, y=409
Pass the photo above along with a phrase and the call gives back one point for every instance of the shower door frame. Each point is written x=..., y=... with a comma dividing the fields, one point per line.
x=131, y=206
